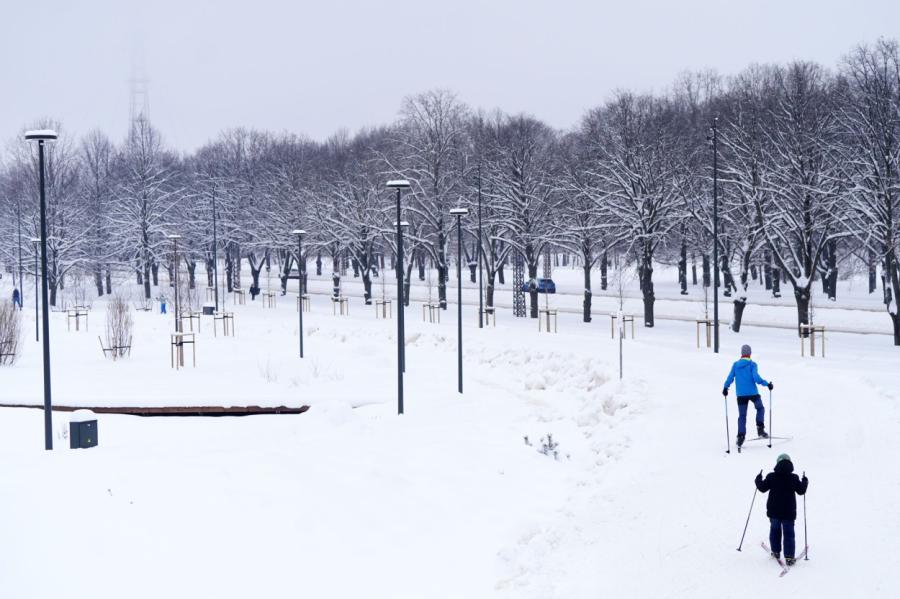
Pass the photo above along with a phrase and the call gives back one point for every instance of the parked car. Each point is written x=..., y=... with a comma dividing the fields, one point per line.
x=543, y=286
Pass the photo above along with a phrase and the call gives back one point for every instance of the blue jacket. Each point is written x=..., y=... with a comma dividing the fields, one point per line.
x=746, y=377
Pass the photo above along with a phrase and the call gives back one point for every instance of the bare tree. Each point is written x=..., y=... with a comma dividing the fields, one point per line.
x=870, y=117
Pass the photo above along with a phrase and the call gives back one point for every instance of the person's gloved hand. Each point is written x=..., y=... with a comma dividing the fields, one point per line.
x=804, y=480
x=759, y=477
x=771, y=386
x=725, y=392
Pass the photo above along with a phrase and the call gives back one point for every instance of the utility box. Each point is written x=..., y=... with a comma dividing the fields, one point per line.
x=82, y=433
x=209, y=310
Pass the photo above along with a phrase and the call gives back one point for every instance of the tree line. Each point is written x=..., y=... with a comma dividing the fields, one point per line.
x=808, y=183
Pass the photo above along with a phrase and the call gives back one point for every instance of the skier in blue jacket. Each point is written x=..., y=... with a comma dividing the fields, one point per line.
x=746, y=377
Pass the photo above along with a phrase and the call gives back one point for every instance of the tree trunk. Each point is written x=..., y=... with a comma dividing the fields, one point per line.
x=154, y=270
x=367, y=284
x=443, y=271
x=829, y=278
x=192, y=269
x=646, y=276
x=108, y=281
x=146, y=279
x=693, y=269
x=532, y=279
x=229, y=267
x=319, y=264
x=739, y=305
x=407, y=283
x=682, y=268
x=873, y=274
x=604, y=266
x=420, y=263
x=892, y=272
x=776, y=282
x=98, y=281
x=801, y=294
x=489, y=289
x=501, y=277
x=587, y=290
x=355, y=264
x=707, y=280
x=727, y=278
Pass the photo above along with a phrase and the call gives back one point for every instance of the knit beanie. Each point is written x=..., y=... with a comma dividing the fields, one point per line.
x=745, y=350
x=783, y=457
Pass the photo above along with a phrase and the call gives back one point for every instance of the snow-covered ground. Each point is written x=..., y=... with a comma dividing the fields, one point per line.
x=350, y=500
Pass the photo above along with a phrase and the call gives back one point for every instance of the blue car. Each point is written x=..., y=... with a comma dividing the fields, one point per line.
x=543, y=286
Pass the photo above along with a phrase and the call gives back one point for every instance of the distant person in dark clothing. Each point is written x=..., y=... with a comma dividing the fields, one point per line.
x=17, y=298
x=783, y=487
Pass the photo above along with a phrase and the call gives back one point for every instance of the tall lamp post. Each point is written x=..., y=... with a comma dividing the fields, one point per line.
x=43, y=136
x=459, y=213
x=399, y=185
x=715, y=144
x=34, y=246
x=300, y=233
x=175, y=239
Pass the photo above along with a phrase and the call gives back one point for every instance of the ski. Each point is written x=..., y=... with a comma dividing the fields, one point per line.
x=767, y=438
x=796, y=561
x=781, y=563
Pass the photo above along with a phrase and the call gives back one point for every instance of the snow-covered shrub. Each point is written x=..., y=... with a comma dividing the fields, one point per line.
x=10, y=329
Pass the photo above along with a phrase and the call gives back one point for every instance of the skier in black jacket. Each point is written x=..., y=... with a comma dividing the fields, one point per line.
x=781, y=507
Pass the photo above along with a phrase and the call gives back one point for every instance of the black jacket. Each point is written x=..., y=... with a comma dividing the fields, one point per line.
x=782, y=483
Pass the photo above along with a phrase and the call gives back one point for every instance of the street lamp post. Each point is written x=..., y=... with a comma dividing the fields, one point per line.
x=403, y=225
x=715, y=144
x=299, y=233
x=459, y=213
x=43, y=136
x=175, y=239
x=399, y=185
x=34, y=246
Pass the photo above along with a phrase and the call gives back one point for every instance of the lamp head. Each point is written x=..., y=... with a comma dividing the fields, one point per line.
x=35, y=240
x=173, y=236
x=459, y=211
x=41, y=135
x=403, y=223
x=298, y=232
x=398, y=184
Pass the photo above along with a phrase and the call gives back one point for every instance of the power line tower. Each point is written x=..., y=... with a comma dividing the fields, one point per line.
x=518, y=282
x=139, y=88
x=139, y=106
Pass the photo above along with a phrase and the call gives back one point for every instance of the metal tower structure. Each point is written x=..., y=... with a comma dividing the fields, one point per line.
x=518, y=281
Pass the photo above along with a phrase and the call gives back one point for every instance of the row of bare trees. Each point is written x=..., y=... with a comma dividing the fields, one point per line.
x=809, y=184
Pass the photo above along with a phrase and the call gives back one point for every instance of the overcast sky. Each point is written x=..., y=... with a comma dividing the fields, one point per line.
x=313, y=67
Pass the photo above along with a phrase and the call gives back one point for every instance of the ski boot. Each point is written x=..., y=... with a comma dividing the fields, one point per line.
x=740, y=441
x=761, y=431
x=790, y=561
x=776, y=554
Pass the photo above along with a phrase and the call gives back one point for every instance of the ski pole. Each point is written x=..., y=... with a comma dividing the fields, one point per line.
x=805, y=535
x=727, y=431
x=770, y=419
x=755, y=490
